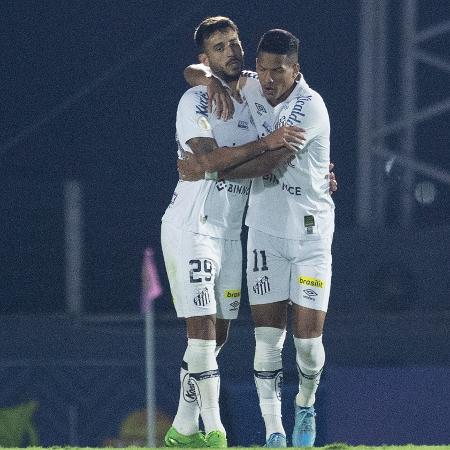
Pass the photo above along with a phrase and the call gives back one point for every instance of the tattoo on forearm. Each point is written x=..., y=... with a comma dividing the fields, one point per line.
x=202, y=145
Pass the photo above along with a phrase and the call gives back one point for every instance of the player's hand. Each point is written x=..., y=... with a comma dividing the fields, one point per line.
x=287, y=155
x=189, y=169
x=219, y=97
x=286, y=136
x=332, y=179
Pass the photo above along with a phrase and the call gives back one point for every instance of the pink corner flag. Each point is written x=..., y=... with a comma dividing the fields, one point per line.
x=151, y=287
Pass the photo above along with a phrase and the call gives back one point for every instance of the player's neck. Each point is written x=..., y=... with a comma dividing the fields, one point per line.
x=234, y=92
x=233, y=86
x=283, y=97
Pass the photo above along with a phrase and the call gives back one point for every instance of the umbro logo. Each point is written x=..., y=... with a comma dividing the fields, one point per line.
x=309, y=294
x=234, y=306
x=260, y=109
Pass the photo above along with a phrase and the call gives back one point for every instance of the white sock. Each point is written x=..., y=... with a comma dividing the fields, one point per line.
x=188, y=412
x=310, y=361
x=205, y=376
x=268, y=372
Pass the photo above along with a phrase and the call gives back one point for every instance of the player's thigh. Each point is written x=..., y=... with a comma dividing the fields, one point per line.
x=311, y=275
x=270, y=315
x=229, y=280
x=192, y=262
x=306, y=322
x=267, y=269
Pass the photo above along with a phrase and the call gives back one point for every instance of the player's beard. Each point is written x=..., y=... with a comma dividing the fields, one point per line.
x=227, y=76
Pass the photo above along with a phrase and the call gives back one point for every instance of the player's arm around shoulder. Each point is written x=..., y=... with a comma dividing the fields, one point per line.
x=219, y=98
x=202, y=147
x=247, y=81
x=260, y=166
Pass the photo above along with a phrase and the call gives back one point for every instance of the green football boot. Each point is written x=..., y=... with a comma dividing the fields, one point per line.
x=175, y=439
x=216, y=439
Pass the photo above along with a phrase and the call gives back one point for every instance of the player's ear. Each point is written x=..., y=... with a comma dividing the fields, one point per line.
x=296, y=70
x=203, y=59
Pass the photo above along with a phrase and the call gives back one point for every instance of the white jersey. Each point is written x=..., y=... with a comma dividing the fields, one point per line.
x=294, y=203
x=212, y=208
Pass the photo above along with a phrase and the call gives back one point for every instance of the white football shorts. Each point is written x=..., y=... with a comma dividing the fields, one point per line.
x=204, y=272
x=279, y=269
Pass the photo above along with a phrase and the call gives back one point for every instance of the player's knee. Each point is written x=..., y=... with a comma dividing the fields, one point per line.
x=310, y=354
x=201, y=355
x=268, y=346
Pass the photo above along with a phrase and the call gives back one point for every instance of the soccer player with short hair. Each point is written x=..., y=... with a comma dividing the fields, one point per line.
x=291, y=223
x=200, y=232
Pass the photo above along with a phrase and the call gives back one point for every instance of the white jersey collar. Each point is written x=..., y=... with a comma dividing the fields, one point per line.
x=301, y=86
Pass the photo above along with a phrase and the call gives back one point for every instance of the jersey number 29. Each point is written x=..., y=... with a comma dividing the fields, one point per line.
x=196, y=268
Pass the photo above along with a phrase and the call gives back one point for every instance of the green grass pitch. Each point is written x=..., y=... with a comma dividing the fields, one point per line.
x=337, y=446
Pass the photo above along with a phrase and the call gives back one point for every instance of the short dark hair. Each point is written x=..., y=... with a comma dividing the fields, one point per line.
x=280, y=42
x=209, y=26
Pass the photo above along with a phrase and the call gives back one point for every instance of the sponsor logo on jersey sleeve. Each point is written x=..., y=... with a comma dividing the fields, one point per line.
x=201, y=107
x=243, y=124
x=296, y=115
